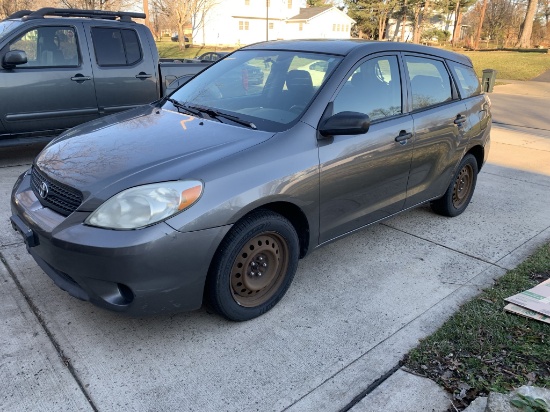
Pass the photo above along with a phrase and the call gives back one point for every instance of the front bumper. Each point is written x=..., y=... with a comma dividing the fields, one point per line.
x=139, y=272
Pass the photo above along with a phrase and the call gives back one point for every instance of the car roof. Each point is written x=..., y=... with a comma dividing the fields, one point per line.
x=346, y=47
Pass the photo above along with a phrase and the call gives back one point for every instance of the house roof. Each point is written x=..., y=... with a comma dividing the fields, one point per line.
x=309, y=13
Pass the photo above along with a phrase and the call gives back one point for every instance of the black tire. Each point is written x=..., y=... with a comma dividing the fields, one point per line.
x=460, y=190
x=253, y=266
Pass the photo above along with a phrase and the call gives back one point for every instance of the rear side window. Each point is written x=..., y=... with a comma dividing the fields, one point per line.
x=116, y=47
x=430, y=81
x=468, y=83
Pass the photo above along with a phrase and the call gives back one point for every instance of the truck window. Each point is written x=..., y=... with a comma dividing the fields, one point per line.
x=116, y=47
x=48, y=46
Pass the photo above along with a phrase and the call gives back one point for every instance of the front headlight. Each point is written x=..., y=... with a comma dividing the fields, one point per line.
x=144, y=205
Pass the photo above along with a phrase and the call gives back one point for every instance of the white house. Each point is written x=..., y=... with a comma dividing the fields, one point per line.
x=241, y=22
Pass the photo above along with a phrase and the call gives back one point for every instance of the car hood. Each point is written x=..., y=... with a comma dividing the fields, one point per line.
x=141, y=146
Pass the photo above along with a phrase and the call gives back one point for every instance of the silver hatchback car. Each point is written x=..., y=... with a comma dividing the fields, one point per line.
x=219, y=189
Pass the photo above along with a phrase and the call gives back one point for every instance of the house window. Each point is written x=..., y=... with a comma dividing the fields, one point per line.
x=338, y=27
x=301, y=27
x=247, y=2
x=243, y=25
x=270, y=26
x=334, y=27
x=289, y=4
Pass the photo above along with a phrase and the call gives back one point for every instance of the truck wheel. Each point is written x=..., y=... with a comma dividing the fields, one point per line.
x=460, y=191
x=253, y=267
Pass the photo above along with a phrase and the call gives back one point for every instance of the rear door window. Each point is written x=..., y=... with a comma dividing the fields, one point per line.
x=116, y=47
x=430, y=82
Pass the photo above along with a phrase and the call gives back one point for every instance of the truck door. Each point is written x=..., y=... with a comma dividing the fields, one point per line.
x=54, y=90
x=125, y=72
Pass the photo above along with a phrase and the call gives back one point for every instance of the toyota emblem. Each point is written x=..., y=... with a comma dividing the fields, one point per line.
x=43, y=192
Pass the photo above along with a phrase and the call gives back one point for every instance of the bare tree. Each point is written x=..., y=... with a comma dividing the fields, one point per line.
x=99, y=4
x=527, y=25
x=8, y=7
x=185, y=12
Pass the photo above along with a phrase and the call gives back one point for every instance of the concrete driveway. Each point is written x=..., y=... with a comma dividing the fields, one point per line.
x=354, y=309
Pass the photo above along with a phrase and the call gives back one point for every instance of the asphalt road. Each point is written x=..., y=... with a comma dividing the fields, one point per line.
x=354, y=309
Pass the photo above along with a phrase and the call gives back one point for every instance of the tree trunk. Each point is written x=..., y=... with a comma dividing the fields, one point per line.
x=481, y=18
x=527, y=26
x=381, y=27
x=419, y=19
x=397, y=27
x=404, y=21
x=458, y=24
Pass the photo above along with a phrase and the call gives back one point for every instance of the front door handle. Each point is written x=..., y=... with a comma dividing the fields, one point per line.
x=460, y=118
x=143, y=75
x=80, y=78
x=403, y=137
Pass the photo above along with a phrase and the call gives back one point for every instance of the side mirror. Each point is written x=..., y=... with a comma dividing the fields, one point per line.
x=14, y=58
x=345, y=123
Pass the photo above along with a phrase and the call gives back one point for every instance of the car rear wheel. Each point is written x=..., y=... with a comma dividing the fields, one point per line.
x=253, y=266
x=460, y=191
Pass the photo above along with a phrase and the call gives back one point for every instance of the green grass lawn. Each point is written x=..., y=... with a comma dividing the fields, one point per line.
x=170, y=49
x=510, y=65
x=482, y=348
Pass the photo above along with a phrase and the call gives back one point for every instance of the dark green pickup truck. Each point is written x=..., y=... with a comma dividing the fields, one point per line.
x=63, y=67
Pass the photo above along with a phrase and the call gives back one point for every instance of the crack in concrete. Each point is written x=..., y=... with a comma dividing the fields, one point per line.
x=447, y=247
x=485, y=172
x=64, y=359
x=10, y=245
x=14, y=165
x=524, y=243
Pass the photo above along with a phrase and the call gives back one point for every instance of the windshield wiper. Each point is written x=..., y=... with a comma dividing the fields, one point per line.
x=183, y=106
x=216, y=115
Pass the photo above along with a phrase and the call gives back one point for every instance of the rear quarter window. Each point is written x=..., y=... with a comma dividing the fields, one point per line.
x=466, y=78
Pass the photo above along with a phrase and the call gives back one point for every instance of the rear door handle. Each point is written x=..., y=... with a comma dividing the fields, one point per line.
x=143, y=75
x=80, y=78
x=403, y=137
x=460, y=118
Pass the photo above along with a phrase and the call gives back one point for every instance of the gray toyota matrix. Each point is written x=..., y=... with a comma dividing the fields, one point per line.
x=219, y=189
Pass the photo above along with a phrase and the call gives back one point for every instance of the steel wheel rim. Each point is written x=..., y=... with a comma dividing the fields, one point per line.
x=259, y=269
x=463, y=186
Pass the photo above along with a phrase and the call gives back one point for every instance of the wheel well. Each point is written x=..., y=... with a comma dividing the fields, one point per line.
x=478, y=153
x=298, y=219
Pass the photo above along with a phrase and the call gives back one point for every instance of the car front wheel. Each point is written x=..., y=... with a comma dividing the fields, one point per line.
x=253, y=266
x=460, y=191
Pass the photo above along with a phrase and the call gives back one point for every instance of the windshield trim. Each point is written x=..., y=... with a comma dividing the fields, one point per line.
x=8, y=26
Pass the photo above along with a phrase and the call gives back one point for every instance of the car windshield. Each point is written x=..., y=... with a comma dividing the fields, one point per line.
x=268, y=89
x=7, y=26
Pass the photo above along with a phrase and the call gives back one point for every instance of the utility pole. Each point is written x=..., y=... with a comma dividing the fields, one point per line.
x=266, y=20
x=146, y=11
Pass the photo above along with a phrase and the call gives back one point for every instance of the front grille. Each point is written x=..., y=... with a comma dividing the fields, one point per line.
x=61, y=198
